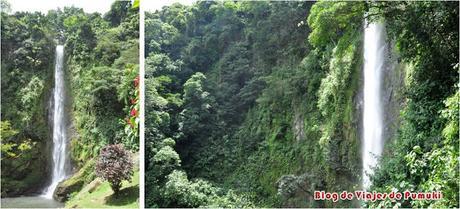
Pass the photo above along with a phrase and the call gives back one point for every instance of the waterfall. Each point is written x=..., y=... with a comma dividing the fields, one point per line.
x=59, y=128
x=374, y=54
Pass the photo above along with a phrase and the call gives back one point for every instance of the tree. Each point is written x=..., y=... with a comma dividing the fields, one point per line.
x=118, y=11
x=114, y=165
x=166, y=159
x=10, y=147
x=197, y=108
x=184, y=193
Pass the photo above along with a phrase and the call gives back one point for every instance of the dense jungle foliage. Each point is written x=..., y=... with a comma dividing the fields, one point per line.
x=101, y=72
x=424, y=154
x=257, y=103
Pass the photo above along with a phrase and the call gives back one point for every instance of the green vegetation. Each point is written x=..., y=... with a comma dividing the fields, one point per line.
x=102, y=196
x=424, y=153
x=102, y=89
x=260, y=101
x=27, y=63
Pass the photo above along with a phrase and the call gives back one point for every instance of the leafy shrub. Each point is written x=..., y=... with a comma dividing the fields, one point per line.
x=182, y=192
x=129, y=92
x=10, y=147
x=231, y=200
x=114, y=165
x=166, y=160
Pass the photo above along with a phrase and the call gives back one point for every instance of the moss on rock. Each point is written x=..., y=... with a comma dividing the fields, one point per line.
x=75, y=183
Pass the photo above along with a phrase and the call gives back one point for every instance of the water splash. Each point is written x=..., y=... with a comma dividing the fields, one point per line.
x=59, y=128
x=374, y=57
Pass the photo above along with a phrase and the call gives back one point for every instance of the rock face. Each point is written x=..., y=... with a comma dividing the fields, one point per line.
x=28, y=174
x=393, y=88
x=67, y=187
x=94, y=185
x=298, y=127
x=74, y=183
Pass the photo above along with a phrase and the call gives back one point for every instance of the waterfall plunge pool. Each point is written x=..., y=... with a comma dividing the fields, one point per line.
x=30, y=202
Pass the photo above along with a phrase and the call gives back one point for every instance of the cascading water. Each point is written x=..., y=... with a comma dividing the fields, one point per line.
x=374, y=57
x=59, y=127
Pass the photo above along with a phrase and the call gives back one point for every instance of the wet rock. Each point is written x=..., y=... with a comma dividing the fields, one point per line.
x=75, y=183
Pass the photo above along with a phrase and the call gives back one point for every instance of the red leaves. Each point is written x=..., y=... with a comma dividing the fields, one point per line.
x=114, y=165
x=134, y=112
x=132, y=107
x=133, y=101
x=136, y=81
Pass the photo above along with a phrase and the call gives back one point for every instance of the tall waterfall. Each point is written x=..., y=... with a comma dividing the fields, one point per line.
x=374, y=56
x=59, y=128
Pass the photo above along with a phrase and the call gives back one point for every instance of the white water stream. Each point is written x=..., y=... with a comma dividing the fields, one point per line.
x=59, y=128
x=374, y=57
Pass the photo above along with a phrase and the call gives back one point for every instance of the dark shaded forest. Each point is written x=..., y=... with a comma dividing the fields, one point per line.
x=256, y=104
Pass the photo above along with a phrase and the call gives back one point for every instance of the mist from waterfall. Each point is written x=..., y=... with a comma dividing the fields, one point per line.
x=374, y=56
x=59, y=128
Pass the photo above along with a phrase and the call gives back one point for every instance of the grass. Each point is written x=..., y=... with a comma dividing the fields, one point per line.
x=103, y=197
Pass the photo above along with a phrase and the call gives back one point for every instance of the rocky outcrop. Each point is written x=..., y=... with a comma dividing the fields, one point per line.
x=28, y=173
x=298, y=127
x=74, y=183
x=67, y=187
x=392, y=91
x=93, y=185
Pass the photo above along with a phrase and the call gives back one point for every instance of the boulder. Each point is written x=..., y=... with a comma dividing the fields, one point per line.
x=74, y=183
x=67, y=187
x=94, y=185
